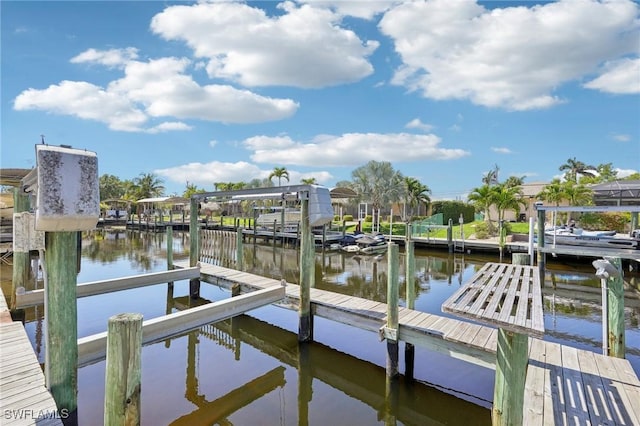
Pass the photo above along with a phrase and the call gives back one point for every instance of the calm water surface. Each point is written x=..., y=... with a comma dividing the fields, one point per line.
x=249, y=371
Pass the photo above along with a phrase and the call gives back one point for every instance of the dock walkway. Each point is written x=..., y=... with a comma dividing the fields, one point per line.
x=24, y=399
x=564, y=385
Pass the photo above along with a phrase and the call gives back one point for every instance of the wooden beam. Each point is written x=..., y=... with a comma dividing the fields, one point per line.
x=36, y=297
x=615, y=311
x=92, y=348
x=307, y=275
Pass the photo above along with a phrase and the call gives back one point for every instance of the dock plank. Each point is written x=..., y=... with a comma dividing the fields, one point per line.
x=564, y=385
x=22, y=386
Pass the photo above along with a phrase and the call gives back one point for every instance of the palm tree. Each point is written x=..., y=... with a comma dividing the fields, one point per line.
x=378, y=183
x=577, y=195
x=513, y=181
x=148, y=185
x=279, y=172
x=553, y=192
x=574, y=167
x=415, y=193
x=482, y=199
x=191, y=189
x=491, y=177
x=309, y=181
x=507, y=198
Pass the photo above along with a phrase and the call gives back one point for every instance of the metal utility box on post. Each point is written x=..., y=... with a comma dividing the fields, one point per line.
x=65, y=188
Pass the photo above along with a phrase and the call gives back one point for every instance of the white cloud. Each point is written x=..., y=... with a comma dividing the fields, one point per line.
x=350, y=149
x=365, y=9
x=84, y=100
x=303, y=47
x=111, y=58
x=206, y=174
x=512, y=58
x=156, y=88
x=213, y=143
x=623, y=173
x=620, y=77
x=417, y=124
x=501, y=150
x=621, y=137
x=169, y=126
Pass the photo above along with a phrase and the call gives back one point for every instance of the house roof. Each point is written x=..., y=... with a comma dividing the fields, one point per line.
x=617, y=190
x=164, y=200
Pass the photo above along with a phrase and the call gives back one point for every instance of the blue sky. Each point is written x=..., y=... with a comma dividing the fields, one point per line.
x=224, y=92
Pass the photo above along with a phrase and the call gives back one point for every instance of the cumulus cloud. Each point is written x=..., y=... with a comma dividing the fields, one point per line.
x=620, y=77
x=341, y=150
x=501, y=150
x=152, y=89
x=512, y=58
x=360, y=9
x=109, y=58
x=84, y=100
x=303, y=47
x=417, y=124
x=206, y=174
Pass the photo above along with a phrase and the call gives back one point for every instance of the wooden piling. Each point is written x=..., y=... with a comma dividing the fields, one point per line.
x=169, y=247
x=194, y=246
x=62, y=320
x=239, y=250
x=391, y=332
x=410, y=282
x=512, y=358
x=541, y=255
x=450, y=236
x=520, y=258
x=511, y=370
x=615, y=310
x=21, y=263
x=307, y=274
x=123, y=370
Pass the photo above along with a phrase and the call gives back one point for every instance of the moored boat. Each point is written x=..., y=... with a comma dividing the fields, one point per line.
x=603, y=239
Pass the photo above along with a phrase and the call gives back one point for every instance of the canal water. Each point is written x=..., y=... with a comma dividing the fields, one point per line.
x=250, y=371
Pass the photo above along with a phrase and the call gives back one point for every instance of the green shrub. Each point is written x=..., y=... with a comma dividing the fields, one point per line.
x=482, y=231
x=613, y=221
x=336, y=218
x=347, y=217
x=368, y=218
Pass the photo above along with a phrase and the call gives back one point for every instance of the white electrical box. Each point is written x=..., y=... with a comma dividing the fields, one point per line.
x=68, y=193
x=320, y=208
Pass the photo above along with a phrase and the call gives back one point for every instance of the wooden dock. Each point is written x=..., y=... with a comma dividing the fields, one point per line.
x=24, y=399
x=564, y=385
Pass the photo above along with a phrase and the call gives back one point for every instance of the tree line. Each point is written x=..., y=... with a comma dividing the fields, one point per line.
x=381, y=185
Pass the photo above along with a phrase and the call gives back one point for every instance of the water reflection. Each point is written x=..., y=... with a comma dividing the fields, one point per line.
x=247, y=371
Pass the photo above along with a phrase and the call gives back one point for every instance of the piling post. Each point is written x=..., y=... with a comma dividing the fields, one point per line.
x=21, y=263
x=239, y=250
x=520, y=258
x=194, y=246
x=275, y=222
x=390, y=331
x=541, y=254
x=123, y=370
x=169, y=247
x=307, y=273
x=409, y=349
x=615, y=310
x=512, y=358
x=450, y=236
x=62, y=321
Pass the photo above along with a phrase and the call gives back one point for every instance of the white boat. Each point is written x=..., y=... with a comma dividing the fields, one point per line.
x=291, y=220
x=603, y=239
x=367, y=244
